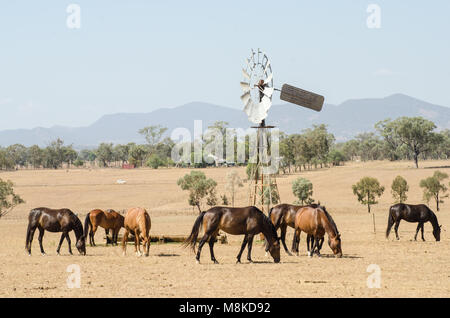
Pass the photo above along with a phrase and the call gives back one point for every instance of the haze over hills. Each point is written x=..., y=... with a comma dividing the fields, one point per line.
x=344, y=121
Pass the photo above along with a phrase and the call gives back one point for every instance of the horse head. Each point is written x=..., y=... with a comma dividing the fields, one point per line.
x=437, y=233
x=81, y=245
x=335, y=245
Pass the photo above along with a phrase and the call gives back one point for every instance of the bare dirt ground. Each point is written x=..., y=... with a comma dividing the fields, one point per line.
x=408, y=268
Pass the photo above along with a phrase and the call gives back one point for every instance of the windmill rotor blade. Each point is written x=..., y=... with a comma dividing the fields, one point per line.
x=246, y=75
x=268, y=91
x=267, y=67
x=245, y=87
x=245, y=98
x=301, y=97
x=269, y=79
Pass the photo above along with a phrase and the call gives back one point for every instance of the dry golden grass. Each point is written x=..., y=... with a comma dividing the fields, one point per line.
x=411, y=269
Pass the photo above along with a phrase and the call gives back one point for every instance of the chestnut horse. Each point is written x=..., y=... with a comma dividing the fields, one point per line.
x=248, y=221
x=137, y=221
x=316, y=221
x=413, y=213
x=62, y=220
x=282, y=216
x=110, y=220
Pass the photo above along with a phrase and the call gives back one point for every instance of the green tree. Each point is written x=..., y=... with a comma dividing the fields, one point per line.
x=399, y=189
x=105, y=154
x=233, y=183
x=416, y=133
x=199, y=188
x=137, y=154
x=54, y=154
x=303, y=190
x=8, y=199
x=35, y=156
x=154, y=161
x=433, y=188
x=153, y=135
x=336, y=157
x=367, y=190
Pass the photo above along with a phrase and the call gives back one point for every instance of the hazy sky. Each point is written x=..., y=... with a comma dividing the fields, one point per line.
x=137, y=56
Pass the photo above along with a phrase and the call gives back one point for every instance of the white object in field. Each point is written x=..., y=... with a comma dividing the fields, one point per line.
x=257, y=68
x=120, y=181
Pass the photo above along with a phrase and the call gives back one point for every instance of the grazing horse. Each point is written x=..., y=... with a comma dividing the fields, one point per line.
x=110, y=220
x=248, y=221
x=137, y=221
x=62, y=220
x=282, y=216
x=414, y=214
x=316, y=221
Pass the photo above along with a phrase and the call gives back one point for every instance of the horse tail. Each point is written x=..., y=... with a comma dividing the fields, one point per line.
x=192, y=239
x=87, y=223
x=390, y=221
x=145, y=226
x=27, y=241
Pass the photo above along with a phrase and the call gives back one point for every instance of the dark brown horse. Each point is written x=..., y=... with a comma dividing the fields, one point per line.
x=247, y=221
x=62, y=220
x=282, y=216
x=110, y=220
x=316, y=221
x=414, y=214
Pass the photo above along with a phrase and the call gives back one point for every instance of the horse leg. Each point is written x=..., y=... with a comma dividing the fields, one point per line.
x=124, y=242
x=308, y=243
x=60, y=243
x=242, y=248
x=249, y=245
x=92, y=234
x=200, y=245
x=283, y=239
x=137, y=243
x=397, y=223
x=296, y=241
x=293, y=243
x=312, y=246
x=417, y=231
x=211, y=249
x=30, y=234
x=41, y=236
x=318, y=246
x=421, y=228
x=68, y=242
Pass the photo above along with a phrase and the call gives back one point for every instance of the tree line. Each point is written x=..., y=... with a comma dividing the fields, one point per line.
x=406, y=138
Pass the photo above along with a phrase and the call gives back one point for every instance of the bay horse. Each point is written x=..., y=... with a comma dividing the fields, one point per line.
x=62, y=220
x=415, y=214
x=282, y=216
x=316, y=221
x=248, y=221
x=110, y=220
x=137, y=221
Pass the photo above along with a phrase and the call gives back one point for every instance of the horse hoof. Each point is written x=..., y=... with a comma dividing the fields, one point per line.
x=266, y=255
x=43, y=254
x=197, y=262
x=309, y=254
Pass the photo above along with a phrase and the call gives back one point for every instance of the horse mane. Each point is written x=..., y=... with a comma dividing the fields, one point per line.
x=433, y=219
x=333, y=224
x=77, y=227
x=268, y=224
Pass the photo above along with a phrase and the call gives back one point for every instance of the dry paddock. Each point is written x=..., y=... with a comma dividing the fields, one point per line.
x=408, y=268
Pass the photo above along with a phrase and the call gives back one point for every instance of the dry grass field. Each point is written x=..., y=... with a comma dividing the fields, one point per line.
x=408, y=268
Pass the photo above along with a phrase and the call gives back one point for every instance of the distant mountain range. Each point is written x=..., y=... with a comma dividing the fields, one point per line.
x=344, y=121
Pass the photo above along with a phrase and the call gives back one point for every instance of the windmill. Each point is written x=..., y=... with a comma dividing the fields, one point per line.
x=258, y=88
